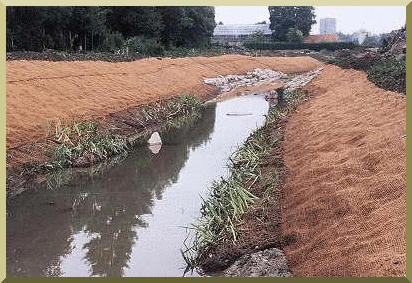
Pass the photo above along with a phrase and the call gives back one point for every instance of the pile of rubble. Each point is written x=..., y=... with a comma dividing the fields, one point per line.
x=291, y=85
x=256, y=77
x=396, y=43
x=386, y=66
x=301, y=80
x=266, y=263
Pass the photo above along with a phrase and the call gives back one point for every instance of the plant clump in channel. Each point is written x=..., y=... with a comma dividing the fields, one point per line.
x=82, y=143
x=229, y=198
x=185, y=104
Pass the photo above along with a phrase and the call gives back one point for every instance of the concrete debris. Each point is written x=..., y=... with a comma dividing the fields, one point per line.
x=256, y=77
x=301, y=80
x=262, y=76
x=396, y=43
x=266, y=263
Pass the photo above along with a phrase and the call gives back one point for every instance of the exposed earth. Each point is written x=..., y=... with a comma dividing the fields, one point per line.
x=344, y=194
x=41, y=90
x=345, y=191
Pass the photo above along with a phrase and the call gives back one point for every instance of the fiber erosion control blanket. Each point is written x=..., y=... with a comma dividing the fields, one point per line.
x=41, y=90
x=345, y=194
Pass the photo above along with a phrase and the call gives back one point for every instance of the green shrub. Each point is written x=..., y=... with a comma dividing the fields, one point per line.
x=143, y=45
x=300, y=45
x=113, y=42
x=229, y=198
x=82, y=139
x=389, y=74
x=294, y=35
x=194, y=52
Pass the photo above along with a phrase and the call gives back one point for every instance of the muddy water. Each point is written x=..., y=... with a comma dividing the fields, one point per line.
x=128, y=219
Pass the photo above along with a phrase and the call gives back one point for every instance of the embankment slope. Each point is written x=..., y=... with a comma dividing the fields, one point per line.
x=345, y=194
x=42, y=90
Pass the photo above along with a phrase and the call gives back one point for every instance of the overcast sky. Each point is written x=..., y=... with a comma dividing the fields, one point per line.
x=376, y=19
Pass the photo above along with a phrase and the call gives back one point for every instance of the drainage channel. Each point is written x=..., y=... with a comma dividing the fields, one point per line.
x=130, y=219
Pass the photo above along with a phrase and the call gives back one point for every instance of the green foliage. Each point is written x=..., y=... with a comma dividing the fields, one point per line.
x=113, y=42
x=229, y=198
x=257, y=37
x=389, y=74
x=182, y=105
x=299, y=45
x=372, y=41
x=102, y=28
x=282, y=18
x=194, y=52
x=143, y=45
x=137, y=20
x=82, y=139
x=294, y=35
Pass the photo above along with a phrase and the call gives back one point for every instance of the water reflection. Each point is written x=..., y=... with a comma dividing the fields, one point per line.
x=127, y=221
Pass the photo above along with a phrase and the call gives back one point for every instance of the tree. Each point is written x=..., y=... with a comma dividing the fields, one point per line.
x=282, y=18
x=198, y=24
x=133, y=21
x=294, y=35
x=106, y=28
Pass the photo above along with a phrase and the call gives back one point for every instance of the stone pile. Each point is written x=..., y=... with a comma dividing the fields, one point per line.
x=256, y=77
x=266, y=263
x=396, y=43
x=291, y=85
x=301, y=80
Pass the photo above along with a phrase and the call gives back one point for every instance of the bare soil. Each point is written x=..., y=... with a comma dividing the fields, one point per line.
x=41, y=90
x=109, y=93
x=345, y=192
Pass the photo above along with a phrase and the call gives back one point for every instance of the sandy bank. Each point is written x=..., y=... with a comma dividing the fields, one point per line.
x=345, y=193
x=41, y=90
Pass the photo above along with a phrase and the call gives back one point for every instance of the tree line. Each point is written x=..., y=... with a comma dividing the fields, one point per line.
x=291, y=23
x=108, y=28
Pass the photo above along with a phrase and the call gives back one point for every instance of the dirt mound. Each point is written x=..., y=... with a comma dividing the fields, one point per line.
x=358, y=61
x=345, y=193
x=396, y=43
x=41, y=90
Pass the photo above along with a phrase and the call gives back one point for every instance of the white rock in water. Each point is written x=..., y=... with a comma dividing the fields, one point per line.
x=154, y=139
x=155, y=148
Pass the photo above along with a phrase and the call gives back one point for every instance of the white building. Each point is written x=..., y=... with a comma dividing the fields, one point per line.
x=360, y=36
x=327, y=26
x=236, y=34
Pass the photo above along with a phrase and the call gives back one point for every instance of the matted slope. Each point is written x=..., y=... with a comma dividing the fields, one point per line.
x=41, y=90
x=345, y=194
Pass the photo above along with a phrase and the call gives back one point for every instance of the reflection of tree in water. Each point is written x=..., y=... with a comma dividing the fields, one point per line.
x=111, y=208
x=36, y=234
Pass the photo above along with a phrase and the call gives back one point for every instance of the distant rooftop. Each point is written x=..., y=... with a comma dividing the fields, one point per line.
x=317, y=38
x=235, y=30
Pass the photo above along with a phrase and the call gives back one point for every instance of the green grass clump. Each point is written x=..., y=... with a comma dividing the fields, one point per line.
x=82, y=139
x=177, y=52
x=164, y=112
x=229, y=198
x=82, y=143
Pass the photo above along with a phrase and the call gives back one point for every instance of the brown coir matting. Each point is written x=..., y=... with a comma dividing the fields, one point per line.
x=345, y=194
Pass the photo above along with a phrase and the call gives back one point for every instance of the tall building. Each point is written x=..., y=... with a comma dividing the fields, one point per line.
x=327, y=26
